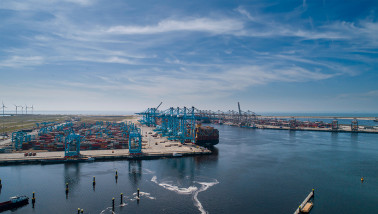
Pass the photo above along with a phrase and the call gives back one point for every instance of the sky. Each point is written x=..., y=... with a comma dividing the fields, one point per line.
x=126, y=55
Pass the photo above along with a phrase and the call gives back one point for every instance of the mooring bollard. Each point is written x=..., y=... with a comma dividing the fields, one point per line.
x=33, y=198
x=66, y=188
x=121, y=198
x=113, y=203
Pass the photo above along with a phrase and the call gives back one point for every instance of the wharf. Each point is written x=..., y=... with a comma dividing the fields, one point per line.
x=342, y=129
x=152, y=148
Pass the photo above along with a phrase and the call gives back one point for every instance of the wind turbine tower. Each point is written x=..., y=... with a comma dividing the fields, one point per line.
x=3, y=107
x=16, y=108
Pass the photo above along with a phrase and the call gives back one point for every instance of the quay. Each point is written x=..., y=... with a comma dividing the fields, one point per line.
x=153, y=147
x=340, y=129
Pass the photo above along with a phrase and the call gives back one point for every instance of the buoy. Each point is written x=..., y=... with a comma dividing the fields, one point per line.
x=94, y=180
x=116, y=174
x=121, y=198
x=362, y=179
x=78, y=210
x=1, y=184
x=66, y=188
x=82, y=210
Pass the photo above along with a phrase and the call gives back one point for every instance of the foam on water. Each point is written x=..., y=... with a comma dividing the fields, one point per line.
x=190, y=190
x=185, y=191
x=204, y=187
x=107, y=210
x=143, y=194
x=147, y=171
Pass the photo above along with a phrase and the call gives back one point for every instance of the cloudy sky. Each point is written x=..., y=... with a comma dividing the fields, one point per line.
x=122, y=55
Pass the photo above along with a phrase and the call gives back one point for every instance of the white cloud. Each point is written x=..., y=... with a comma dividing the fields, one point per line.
x=22, y=61
x=220, y=26
x=40, y=5
x=113, y=59
x=244, y=12
x=198, y=83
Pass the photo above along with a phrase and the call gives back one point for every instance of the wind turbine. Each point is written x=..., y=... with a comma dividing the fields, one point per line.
x=16, y=108
x=26, y=107
x=3, y=107
x=22, y=109
x=32, y=109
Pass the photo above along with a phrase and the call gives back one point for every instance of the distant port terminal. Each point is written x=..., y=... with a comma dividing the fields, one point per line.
x=153, y=133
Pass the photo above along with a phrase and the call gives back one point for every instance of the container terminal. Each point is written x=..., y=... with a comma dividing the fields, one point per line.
x=152, y=133
x=155, y=135
x=249, y=119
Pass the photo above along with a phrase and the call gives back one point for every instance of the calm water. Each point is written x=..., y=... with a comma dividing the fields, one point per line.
x=253, y=171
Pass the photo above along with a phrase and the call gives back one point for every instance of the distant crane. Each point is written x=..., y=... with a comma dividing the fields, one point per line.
x=159, y=105
x=240, y=114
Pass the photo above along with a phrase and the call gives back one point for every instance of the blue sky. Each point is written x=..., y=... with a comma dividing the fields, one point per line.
x=272, y=56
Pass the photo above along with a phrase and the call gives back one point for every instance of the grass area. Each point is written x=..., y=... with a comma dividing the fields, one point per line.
x=9, y=124
x=89, y=119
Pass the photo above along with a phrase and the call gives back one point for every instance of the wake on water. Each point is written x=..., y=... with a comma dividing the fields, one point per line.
x=188, y=191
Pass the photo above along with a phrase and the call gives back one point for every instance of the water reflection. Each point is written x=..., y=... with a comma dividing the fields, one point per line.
x=334, y=137
x=354, y=137
x=71, y=175
x=211, y=159
x=292, y=135
x=135, y=172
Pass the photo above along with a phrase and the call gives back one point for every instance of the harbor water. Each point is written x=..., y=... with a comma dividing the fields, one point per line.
x=250, y=171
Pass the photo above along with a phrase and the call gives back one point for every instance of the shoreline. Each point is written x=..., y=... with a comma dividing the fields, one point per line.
x=320, y=117
x=60, y=160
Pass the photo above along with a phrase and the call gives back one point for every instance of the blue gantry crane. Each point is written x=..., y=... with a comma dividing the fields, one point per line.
x=135, y=140
x=175, y=123
x=72, y=145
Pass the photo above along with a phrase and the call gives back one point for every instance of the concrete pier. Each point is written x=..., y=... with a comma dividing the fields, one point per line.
x=305, y=206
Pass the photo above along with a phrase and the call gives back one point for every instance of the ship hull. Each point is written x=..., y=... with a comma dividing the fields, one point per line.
x=7, y=205
x=207, y=142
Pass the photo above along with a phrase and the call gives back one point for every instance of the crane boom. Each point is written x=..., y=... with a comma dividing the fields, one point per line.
x=239, y=109
x=159, y=105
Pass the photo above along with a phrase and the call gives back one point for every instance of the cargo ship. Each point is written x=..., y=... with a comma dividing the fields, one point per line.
x=14, y=202
x=206, y=135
